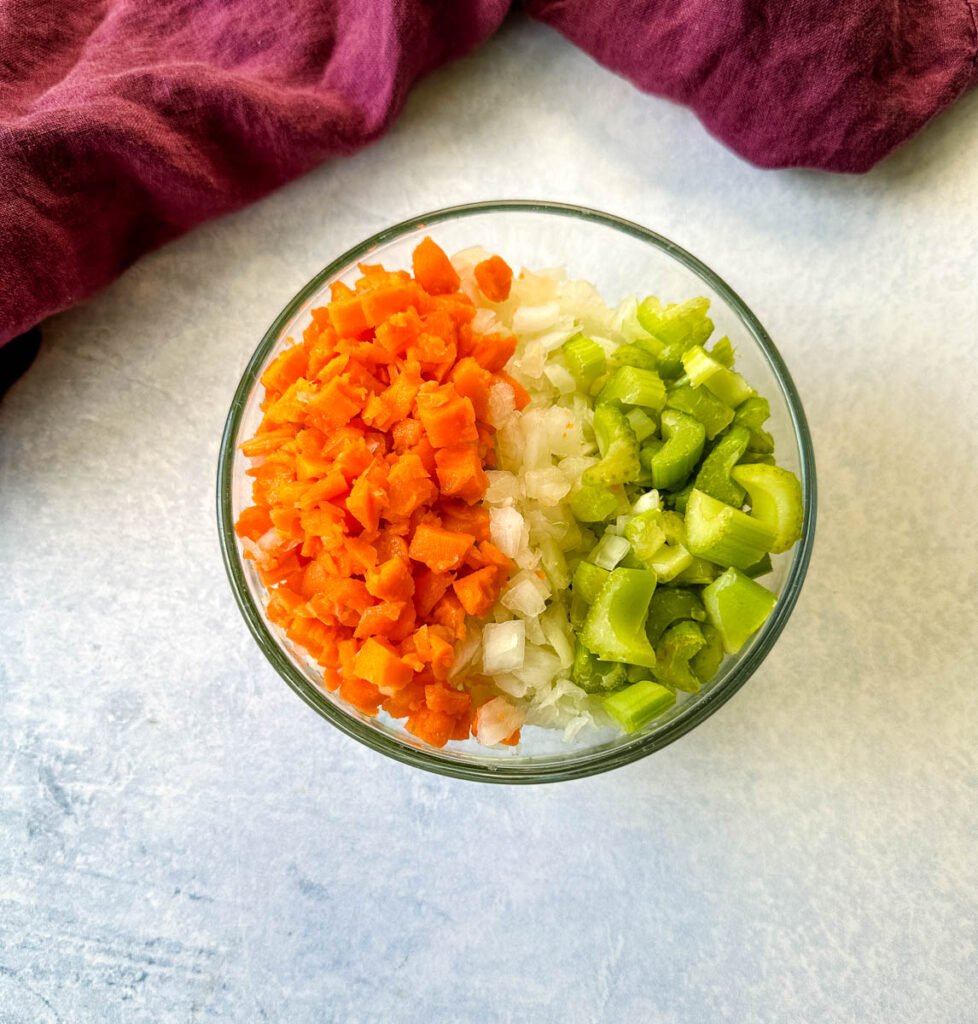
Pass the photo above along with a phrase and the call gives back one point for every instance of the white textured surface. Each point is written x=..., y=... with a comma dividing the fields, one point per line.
x=182, y=840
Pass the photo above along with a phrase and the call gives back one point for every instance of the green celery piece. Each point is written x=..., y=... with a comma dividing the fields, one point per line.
x=677, y=499
x=635, y=673
x=673, y=557
x=615, y=626
x=578, y=610
x=674, y=461
x=638, y=704
x=708, y=659
x=634, y=355
x=723, y=352
x=703, y=405
x=646, y=535
x=585, y=359
x=775, y=498
x=760, y=568
x=670, y=362
x=705, y=371
x=588, y=579
x=619, y=450
x=631, y=385
x=713, y=477
x=737, y=606
x=642, y=423
x=683, y=323
x=594, y=504
x=723, y=534
x=679, y=643
x=670, y=562
x=698, y=571
x=757, y=458
x=593, y=675
x=670, y=605
x=753, y=413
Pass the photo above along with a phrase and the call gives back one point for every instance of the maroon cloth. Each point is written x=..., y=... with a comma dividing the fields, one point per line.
x=124, y=123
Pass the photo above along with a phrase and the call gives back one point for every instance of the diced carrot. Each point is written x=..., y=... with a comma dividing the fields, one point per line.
x=363, y=695
x=434, y=727
x=386, y=300
x=406, y=434
x=429, y=588
x=440, y=697
x=493, y=351
x=368, y=498
x=446, y=416
x=450, y=613
x=494, y=277
x=478, y=591
x=409, y=486
x=253, y=522
x=391, y=581
x=348, y=317
x=285, y=368
x=472, y=382
x=380, y=665
x=434, y=269
x=463, y=518
x=439, y=549
x=460, y=473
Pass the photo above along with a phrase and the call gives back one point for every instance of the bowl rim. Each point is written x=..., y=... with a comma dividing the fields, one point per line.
x=546, y=768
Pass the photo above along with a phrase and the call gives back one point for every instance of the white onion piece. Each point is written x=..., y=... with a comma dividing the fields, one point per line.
x=497, y=720
x=506, y=530
x=503, y=646
x=610, y=551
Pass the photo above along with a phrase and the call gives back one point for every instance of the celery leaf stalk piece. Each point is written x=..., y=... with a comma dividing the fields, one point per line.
x=639, y=704
x=737, y=607
x=723, y=534
x=615, y=625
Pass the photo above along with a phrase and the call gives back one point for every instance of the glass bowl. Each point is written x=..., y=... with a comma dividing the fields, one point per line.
x=620, y=258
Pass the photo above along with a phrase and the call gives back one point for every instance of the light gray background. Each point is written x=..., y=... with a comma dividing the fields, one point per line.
x=183, y=840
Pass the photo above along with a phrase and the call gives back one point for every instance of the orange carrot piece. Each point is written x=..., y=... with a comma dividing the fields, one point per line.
x=434, y=727
x=382, y=302
x=379, y=664
x=439, y=549
x=446, y=416
x=391, y=581
x=478, y=591
x=460, y=473
x=471, y=381
x=253, y=522
x=285, y=368
x=463, y=518
x=409, y=486
x=433, y=269
x=347, y=317
x=493, y=351
x=440, y=697
x=494, y=277
x=363, y=695
x=429, y=588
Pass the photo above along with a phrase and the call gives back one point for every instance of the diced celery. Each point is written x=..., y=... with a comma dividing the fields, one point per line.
x=701, y=404
x=631, y=385
x=697, y=572
x=723, y=352
x=683, y=323
x=723, y=534
x=670, y=561
x=585, y=359
x=677, y=499
x=670, y=363
x=594, y=504
x=593, y=675
x=683, y=444
x=753, y=413
x=638, y=704
x=708, y=659
x=578, y=609
x=670, y=605
x=642, y=423
x=751, y=458
x=713, y=477
x=704, y=370
x=737, y=606
x=645, y=534
x=619, y=450
x=634, y=355
x=776, y=501
x=759, y=568
x=588, y=579
x=679, y=643
x=615, y=626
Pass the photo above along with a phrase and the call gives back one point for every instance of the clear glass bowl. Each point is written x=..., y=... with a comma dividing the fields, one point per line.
x=620, y=258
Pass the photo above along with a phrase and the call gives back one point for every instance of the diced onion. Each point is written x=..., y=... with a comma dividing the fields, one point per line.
x=503, y=645
x=610, y=551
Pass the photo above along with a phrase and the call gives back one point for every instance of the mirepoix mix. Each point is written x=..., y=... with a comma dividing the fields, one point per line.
x=482, y=502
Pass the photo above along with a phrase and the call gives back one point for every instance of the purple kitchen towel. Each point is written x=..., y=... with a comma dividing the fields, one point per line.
x=123, y=123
